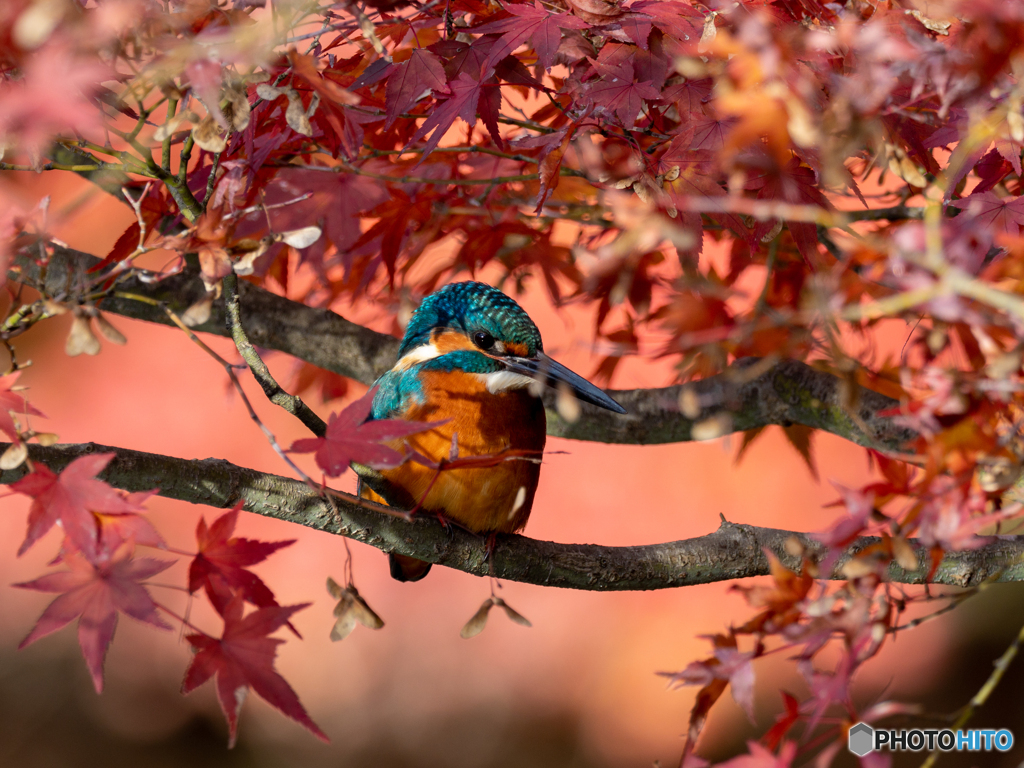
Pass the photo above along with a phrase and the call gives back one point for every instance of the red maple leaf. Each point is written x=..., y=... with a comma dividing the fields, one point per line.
x=11, y=402
x=244, y=658
x=618, y=92
x=335, y=203
x=351, y=438
x=462, y=103
x=533, y=22
x=411, y=80
x=94, y=594
x=220, y=566
x=794, y=183
x=993, y=212
x=71, y=498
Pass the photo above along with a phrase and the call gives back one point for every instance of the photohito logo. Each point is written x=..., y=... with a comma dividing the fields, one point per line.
x=864, y=739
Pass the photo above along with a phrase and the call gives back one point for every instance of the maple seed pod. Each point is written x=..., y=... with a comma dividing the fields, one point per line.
x=199, y=312
x=772, y=233
x=81, y=339
x=794, y=547
x=350, y=610
x=513, y=614
x=167, y=130
x=235, y=106
x=567, y=405
x=997, y=473
x=109, y=332
x=708, y=34
x=689, y=402
x=936, y=340
x=14, y=456
x=300, y=238
x=36, y=23
x=478, y=621
x=905, y=555
x=716, y=426
x=209, y=135
x=857, y=568
x=46, y=439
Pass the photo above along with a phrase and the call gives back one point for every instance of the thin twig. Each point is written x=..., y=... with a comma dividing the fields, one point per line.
x=230, y=369
x=291, y=403
x=979, y=699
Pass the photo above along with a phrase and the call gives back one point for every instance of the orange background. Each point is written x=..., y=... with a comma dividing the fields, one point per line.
x=578, y=689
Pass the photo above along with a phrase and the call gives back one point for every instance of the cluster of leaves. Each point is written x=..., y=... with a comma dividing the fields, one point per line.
x=103, y=578
x=855, y=164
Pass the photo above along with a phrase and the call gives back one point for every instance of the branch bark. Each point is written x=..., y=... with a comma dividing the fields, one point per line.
x=731, y=552
x=752, y=394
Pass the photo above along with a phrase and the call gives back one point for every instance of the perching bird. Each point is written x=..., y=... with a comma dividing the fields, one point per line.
x=469, y=355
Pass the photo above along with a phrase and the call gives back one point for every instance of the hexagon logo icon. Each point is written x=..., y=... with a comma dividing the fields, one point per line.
x=862, y=737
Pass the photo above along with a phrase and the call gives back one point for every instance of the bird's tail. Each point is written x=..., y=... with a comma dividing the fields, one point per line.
x=403, y=568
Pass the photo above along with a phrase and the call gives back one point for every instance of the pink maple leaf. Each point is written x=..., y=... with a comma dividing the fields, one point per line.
x=761, y=757
x=351, y=438
x=94, y=594
x=11, y=402
x=71, y=498
x=54, y=95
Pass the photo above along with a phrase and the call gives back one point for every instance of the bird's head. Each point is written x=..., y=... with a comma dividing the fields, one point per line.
x=493, y=336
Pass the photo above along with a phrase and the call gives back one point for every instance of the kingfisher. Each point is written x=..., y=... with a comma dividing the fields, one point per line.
x=471, y=357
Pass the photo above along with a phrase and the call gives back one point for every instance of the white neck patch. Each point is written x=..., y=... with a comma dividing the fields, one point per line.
x=420, y=354
x=503, y=381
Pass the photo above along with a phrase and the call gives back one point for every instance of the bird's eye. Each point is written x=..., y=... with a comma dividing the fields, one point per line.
x=483, y=339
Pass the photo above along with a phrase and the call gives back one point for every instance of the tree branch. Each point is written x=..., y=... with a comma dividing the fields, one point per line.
x=731, y=552
x=752, y=394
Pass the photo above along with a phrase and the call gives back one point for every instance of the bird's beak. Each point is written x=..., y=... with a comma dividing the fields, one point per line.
x=551, y=373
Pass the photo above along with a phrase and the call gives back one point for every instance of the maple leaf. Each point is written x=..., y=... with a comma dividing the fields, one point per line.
x=529, y=22
x=13, y=403
x=220, y=565
x=784, y=721
x=306, y=70
x=243, y=658
x=729, y=665
x=117, y=528
x=411, y=80
x=465, y=92
x=618, y=92
x=794, y=183
x=337, y=200
x=761, y=757
x=94, y=594
x=351, y=438
x=53, y=95
x=993, y=212
x=71, y=498
x=802, y=439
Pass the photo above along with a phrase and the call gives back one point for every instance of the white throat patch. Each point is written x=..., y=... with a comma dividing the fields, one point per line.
x=502, y=381
x=420, y=354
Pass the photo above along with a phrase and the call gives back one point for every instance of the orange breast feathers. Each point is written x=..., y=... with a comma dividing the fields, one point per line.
x=484, y=499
